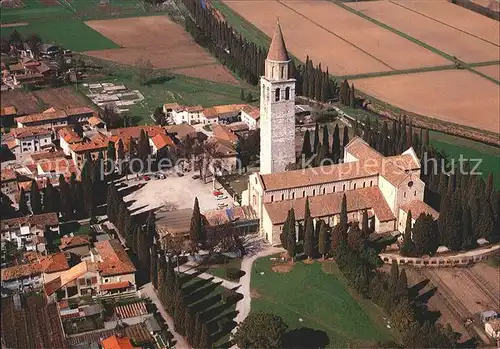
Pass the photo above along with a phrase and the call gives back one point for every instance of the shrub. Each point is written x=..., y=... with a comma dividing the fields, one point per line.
x=233, y=273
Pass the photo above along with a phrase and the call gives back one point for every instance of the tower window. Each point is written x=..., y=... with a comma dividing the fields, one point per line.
x=314, y=192
x=303, y=193
x=371, y=183
x=282, y=197
x=282, y=72
x=272, y=198
x=354, y=185
x=277, y=94
x=293, y=195
x=334, y=189
x=364, y=184
x=287, y=93
x=272, y=72
x=324, y=190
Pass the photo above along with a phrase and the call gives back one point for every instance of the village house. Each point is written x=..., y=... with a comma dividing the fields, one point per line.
x=180, y=114
x=224, y=114
x=224, y=156
x=160, y=141
x=25, y=231
x=29, y=140
x=107, y=271
x=53, y=117
x=8, y=181
x=94, y=146
x=224, y=133
x=250, y=115
x=32, y=276
x=174, y=224
x=117, y=342
x=78, y=245
x=68, y=136
x=31, y=71
x=181, y=131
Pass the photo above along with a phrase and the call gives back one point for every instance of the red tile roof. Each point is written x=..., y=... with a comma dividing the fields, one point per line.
x=21, y=271
x=54, y=263
x=130, y=310
x=115, y=285
x=8, y=110
x=95, y=144
x=181, y=130
x=417, y=207
x=24, y=132
x=94, y=121
x=115, y=342
x=74, y=241
x=162, y=140
x=135, y=131
x=79, y=111
x=69, y=275
x=254, y=112
x=45, y=116
x=223, y=133
x=8, y=175
x=69, y=135
x=330, y=204
x=115, y=260
x=38, y=220
x=60, y=165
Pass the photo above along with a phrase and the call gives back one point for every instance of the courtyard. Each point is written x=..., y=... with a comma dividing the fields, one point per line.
x=174, y=192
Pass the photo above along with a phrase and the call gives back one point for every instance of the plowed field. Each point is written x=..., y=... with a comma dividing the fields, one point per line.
x=163, y=42
x=457, y=96
x=443, y=37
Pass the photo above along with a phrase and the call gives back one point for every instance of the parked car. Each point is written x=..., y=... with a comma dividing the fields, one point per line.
x=180, y=174
x=162, y=176
x=221, y=205
x=195, y=177
x=146, y=178
x=221, y=197
x=216, y=193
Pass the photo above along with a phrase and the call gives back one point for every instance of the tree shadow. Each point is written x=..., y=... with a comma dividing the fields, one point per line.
x=304, y=338
x=195, y=287
x=205, y=303
x=139, y=217
x=415, y=289
x=223, y=329
x=159, y=80
x=424, y=297
x=215, y=313
x=185, y=277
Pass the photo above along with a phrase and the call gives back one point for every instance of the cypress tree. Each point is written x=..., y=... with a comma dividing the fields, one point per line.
x=394, y=275
x=450, y=223
x=35, y=198
x=352, y=97
x=336, y=145
x=409, y=142
x=189, y=320
x=316, y=139
x=285, y=230
x=307, y=210
x=426, y=138
x=196, y=233
x=242, y=95
x=204, y=341
x=120, y=153
x=306, y=146
x=179, y=312
x=345, y=139
x=407, y=247
x=111, y=155
x=309, y=238
x=337, y=237
x=153, y=269
x=343, y=216
x=291, y=244
x=323, y=239
x=424, y=234
x=489, y=185
x=50, y=198
x=249, y=98
x=365, y=230
x=198, y=324
x=322, y=154
x=468, y=239
x=326, y=139
x=401, y=291
x=23, y=203
x=65, y=198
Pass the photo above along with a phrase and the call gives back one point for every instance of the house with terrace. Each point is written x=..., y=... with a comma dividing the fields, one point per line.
x=30, y=140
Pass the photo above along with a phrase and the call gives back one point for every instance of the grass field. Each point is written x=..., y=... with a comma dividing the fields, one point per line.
x=453, y=147
x=70, y=34
x=323, y=302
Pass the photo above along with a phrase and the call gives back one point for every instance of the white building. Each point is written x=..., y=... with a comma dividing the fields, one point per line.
x=179, y=114
x=370, y=181
x=27, y=231
x=30, y=140
x=251, y=116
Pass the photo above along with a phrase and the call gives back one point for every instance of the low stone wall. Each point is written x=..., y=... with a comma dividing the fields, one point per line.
x=457, y=260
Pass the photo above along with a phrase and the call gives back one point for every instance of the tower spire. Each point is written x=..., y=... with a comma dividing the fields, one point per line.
x=277, y=49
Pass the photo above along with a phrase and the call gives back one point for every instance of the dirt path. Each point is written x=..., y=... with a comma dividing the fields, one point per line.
x=10, y=25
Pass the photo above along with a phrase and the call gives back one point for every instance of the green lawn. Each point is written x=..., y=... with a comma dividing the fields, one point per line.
x=71, y=34
x=453, y=147
x=32, y=10
x=219, y=270
x=323, y=302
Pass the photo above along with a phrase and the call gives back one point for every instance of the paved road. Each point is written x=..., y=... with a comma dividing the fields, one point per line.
x=148, y=290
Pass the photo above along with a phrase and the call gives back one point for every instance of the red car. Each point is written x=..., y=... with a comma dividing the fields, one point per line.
x=216, y=193
x=146, y=178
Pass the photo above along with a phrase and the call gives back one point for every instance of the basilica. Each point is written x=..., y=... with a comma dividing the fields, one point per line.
x=386, y=187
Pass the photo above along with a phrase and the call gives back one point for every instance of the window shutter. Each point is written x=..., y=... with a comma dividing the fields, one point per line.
x=82, y=282
x=94, y=280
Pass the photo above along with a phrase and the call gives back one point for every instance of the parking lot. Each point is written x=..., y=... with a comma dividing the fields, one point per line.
x=175, y=192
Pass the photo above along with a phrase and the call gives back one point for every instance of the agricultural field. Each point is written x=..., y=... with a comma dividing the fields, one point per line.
x=447, y=39
x=493, y=71
x=67, y=33
x=163, y=42
x=445, y=12
x=456, y=96
x=314, y=299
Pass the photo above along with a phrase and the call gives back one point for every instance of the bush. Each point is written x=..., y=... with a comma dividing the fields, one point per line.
x=233, y=273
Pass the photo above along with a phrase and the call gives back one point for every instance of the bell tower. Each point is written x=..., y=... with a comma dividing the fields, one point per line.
x=277, y=109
